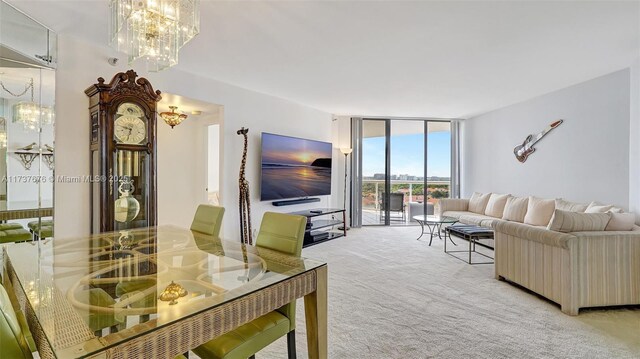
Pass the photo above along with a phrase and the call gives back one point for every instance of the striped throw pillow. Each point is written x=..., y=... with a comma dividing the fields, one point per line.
x=515, y=209
x=478, y=202
x=495, y=206
x=565, y=221
x=570, y=206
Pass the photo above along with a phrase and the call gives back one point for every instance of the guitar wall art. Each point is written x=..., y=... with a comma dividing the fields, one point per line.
x=524, y=150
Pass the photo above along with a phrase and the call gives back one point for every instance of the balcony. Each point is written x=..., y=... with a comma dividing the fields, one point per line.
x=413, y=197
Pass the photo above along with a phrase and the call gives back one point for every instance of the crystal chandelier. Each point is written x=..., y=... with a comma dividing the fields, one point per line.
x=173, y=118
x=3, y=133
x=29, y=113
x=153, y=29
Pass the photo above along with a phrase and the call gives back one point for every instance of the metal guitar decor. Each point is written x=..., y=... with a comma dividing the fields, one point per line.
x=245, y=204
x=523, y=151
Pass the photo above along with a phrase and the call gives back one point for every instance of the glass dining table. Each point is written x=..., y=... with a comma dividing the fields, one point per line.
x=155, y=292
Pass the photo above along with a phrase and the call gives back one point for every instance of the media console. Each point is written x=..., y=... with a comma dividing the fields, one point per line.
x=321, y=229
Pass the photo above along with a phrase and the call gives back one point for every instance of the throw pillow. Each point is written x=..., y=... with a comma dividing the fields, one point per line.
x=595, y=207
x=621, y=222
x=478, y=202
x=616, y=210
x=565, y=221
x=539, y=211
x=495, y=206
x=515, y=209
x=561, y=204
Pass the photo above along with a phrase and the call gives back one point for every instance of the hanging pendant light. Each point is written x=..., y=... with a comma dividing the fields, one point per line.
x=29, y=113
x=153, y=29
x=3, y=133
x=173, y=118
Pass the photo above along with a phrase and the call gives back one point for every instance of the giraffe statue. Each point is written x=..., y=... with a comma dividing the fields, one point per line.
x=245, y=201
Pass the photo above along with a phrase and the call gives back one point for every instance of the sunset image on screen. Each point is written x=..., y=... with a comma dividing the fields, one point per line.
x=294, y=167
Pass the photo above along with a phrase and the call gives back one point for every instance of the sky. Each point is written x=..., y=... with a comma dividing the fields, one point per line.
x=292, y=151
x=407, y=155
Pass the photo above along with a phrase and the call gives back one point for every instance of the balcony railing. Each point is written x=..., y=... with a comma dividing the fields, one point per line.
x=372, y=190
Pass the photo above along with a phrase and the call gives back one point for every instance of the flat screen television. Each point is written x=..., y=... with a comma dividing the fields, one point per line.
x=294, y=167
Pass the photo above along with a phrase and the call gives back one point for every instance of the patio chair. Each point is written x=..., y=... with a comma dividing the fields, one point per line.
x=396, y=204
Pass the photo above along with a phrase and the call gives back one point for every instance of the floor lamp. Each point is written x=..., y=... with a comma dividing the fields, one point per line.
x=345, y=152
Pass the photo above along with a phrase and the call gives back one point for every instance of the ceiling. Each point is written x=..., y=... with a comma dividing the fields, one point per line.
x=446, y=59
x=187, y=105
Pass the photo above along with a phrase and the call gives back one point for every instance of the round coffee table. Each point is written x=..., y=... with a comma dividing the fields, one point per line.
x=434, y=223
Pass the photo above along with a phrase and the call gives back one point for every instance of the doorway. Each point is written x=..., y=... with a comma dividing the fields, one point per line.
x=213, y=165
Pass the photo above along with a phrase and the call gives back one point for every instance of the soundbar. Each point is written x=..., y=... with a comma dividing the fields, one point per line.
x=290, y=202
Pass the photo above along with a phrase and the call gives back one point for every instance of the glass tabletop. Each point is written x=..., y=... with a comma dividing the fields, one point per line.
x=95, y=292
x=435, y=219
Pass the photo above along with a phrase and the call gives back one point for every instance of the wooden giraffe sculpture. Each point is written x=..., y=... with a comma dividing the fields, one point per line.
x=245, y=201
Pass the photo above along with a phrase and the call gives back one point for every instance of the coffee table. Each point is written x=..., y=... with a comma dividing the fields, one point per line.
x=472, y=234
x=434, y=223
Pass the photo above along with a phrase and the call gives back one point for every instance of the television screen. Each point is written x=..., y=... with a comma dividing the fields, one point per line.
x=294, y=167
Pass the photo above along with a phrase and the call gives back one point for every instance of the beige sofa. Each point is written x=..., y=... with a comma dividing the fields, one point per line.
x=575, y=270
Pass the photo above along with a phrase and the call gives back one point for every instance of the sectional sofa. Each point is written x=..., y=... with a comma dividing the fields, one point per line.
x=579, y=258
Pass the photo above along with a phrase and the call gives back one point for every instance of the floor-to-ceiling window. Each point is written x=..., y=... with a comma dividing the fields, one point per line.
x=404, y=168
x=374, y=170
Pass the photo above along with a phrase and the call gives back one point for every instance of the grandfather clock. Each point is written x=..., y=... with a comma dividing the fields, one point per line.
x=123, y=153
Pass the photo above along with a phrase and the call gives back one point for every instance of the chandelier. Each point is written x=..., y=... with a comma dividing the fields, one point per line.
x=30, y=113
x=173, y=118
x=153, y=29
x=3, y=133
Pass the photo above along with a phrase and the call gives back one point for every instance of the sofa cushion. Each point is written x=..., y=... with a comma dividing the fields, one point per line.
x=565, y=221
x=595, y=207
x=515, y=209
x=539, y=211
x=477, y=220
x=621, y=222
x=478, y=202
x=495, y=205
x=563, y=205
x=455, y=214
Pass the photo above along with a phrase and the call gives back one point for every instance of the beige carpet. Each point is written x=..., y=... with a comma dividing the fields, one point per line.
x=391, y=296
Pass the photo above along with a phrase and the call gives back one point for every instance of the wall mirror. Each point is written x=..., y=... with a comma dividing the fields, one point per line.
x=27, y=117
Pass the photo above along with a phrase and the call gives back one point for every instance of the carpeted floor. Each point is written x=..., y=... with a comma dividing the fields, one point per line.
x=391, y=296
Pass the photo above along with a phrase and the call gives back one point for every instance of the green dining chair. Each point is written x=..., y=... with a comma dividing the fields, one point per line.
x=9, y=225
x=283, y=233
x=96, y=320
x=129, y=288
x=208, y=220
x=15, y=337
x=42, y=229
x=14, y=235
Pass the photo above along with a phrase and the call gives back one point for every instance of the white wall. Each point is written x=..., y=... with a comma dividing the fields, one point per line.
x=634, y=141
x=182, y=162
x=79, y=66
x=341, y=133
x=585, y=159
x=213, y=158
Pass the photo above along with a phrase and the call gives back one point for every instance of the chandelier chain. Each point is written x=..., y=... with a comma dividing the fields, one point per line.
x=27, y=87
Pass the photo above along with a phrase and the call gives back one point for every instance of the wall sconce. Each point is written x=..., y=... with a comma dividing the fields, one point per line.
x=172, y=292
x=173, y=118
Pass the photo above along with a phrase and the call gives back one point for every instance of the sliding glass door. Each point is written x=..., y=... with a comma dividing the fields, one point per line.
x=438, y=176
x=374, y=165
x=404, y=169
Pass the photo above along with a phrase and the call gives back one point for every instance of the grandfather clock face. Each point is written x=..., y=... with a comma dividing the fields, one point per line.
x=130, y=125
